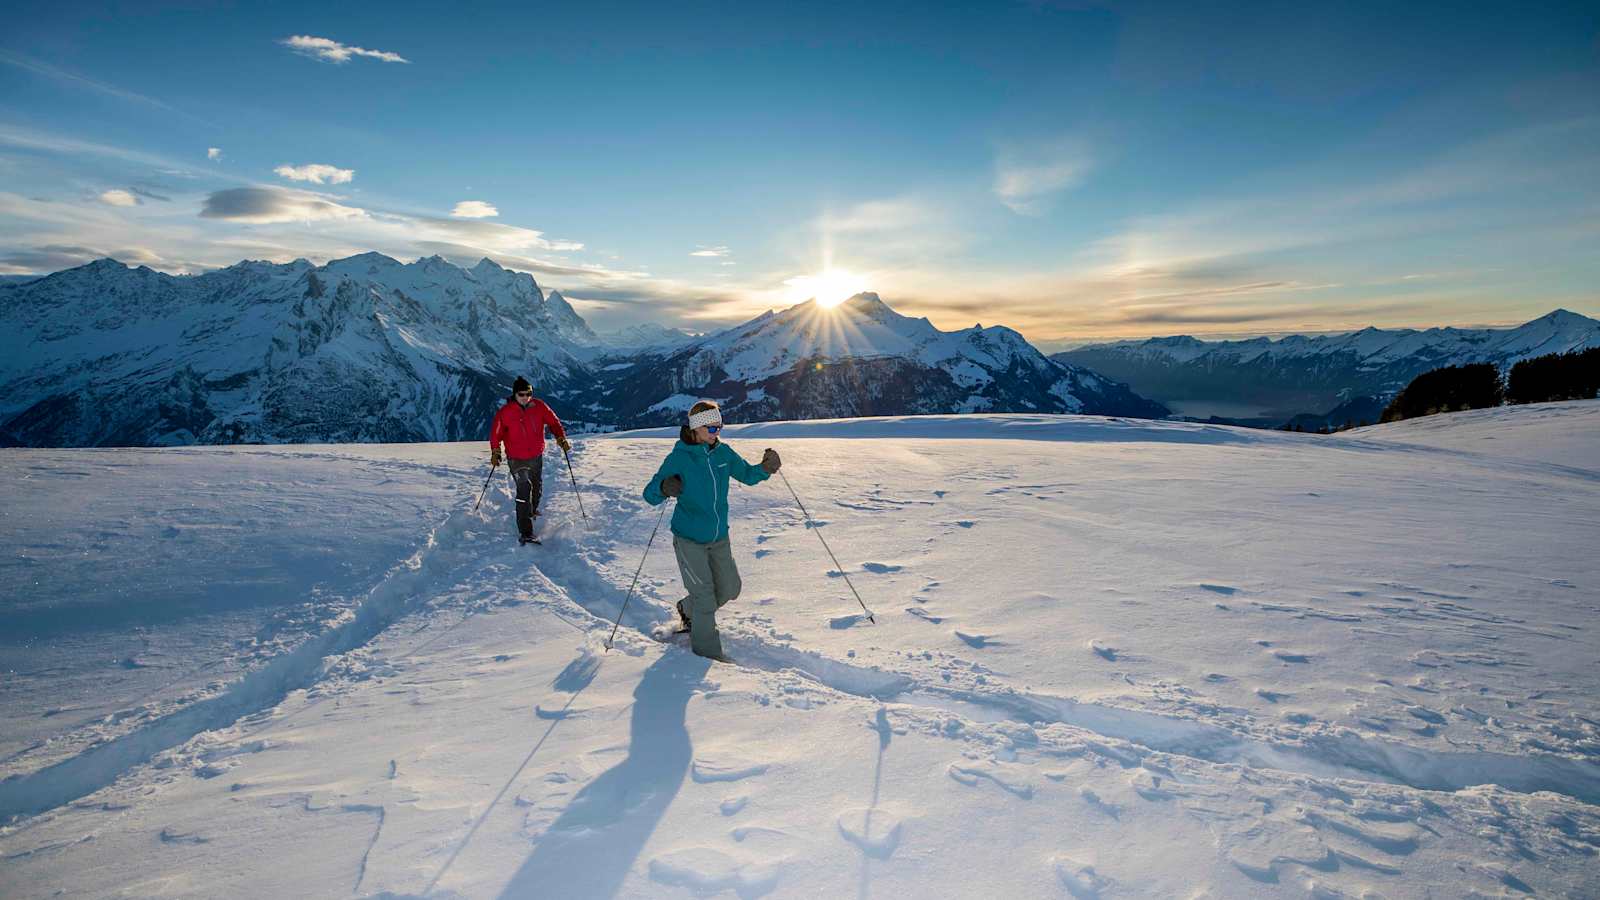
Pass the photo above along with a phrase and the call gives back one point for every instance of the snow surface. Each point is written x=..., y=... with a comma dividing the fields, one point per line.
x=1110, y=658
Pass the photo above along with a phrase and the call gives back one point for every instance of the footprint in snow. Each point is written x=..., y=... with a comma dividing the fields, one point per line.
x=846, y=621
x=706, y=770
x=1150, y=786
x=1102, y=649
x=762, y=554
x=1397, y=838
x=1223, y=589
x=1290, y=656
x=924, y=615
x=1426, y=714
x=705, y=870
x=975, y=639
x=1095, y=802
x=878, y=568
x=745, y=832
x=970, y=774
x=1081, y=881
x=875, y=831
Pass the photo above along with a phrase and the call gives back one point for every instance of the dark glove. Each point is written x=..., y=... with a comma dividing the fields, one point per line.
x=770, y=461
x=564, y=444
x=673, y=486
x=495, y=458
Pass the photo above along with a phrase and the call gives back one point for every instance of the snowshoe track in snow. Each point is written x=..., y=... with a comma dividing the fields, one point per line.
x=1347, y=756
x=401, y=591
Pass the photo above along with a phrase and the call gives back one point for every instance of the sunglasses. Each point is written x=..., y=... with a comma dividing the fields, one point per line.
x=524, y=393
x=713, y=429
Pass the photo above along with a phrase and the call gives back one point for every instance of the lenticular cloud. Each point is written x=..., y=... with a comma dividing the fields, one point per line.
x=261, y=206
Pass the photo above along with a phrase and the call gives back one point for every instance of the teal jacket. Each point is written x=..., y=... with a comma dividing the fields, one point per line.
x=702, y=510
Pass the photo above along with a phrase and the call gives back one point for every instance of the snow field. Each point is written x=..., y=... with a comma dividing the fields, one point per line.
x=1182, y=663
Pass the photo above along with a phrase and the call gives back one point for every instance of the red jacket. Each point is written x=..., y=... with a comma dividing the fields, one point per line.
x=522, y=429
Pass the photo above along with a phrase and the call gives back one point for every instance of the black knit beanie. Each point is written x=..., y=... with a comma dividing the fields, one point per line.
x=521, y=384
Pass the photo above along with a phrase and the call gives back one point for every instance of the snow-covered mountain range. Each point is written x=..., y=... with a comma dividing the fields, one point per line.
x=860, y=358
x=1277, y=379
x=360, y=349
x=370, y=349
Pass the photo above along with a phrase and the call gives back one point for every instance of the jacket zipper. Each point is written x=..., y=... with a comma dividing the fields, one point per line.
x=714, y=514
x=522, y=418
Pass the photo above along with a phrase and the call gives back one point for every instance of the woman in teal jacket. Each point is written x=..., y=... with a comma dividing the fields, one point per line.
x=696, y=473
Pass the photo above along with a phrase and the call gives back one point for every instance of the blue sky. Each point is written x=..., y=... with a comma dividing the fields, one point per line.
x=1071, y=169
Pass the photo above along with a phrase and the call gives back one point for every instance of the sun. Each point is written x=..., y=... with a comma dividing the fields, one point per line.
x=829, y=287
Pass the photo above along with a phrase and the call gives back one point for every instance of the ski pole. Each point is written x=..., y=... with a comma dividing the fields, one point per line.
x=485, y=487
x=636, y=572
x=818, y=532
x=575, y=490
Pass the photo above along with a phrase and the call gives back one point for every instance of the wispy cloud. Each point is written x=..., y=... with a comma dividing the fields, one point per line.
x=50, y=143
x=496, y=236
x=906, y=231
x=54, y=257
x=213, y=153
x=119, y=197
x=329, y=50
x=885, y=215
x=265, y=206
x=316, y=173
x=1028, y=175
x=718, y=251
x=58, y=74
x=474, y=209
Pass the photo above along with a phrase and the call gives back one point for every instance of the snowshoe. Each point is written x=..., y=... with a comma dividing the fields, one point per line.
x=529, y=539
x=668, y=632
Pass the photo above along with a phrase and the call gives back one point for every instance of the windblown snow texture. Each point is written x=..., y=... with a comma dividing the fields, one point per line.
x=1113, y=658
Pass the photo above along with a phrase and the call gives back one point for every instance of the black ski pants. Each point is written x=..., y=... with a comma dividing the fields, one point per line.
x=529, y=476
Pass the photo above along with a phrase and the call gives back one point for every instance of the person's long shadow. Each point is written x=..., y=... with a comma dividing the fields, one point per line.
x=590, y=848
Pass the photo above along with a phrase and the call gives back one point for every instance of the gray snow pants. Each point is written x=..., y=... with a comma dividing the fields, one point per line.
x=711, y=579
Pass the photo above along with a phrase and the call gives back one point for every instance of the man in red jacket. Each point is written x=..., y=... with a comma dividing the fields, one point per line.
x=521, y=424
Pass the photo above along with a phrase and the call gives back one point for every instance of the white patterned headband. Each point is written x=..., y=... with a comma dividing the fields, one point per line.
x=712, y=416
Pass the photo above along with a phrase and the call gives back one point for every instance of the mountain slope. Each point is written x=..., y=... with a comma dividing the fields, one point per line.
x=369, y=349
x=1276, y=379
x=861, y=359
x=361, y=349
